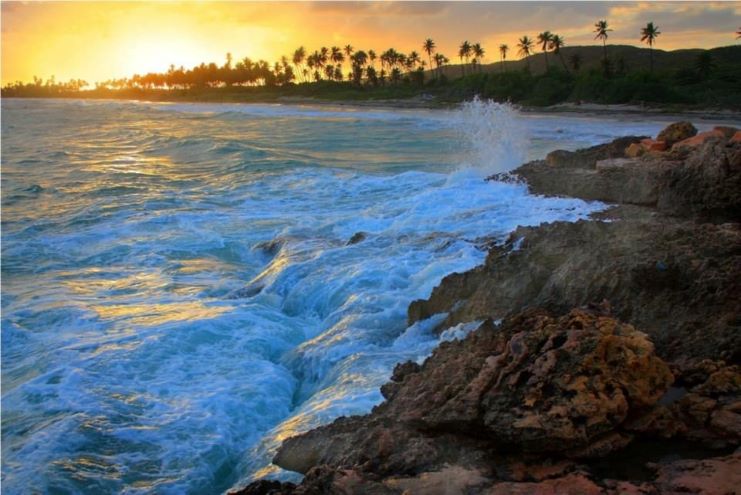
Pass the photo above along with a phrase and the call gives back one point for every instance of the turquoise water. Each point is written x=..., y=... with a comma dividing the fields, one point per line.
x=178, y=291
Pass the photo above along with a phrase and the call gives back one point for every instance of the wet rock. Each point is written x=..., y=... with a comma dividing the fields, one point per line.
x=356, y=238
x=676, y=132
x=536, y=384
x=677, y=281
x=699, y=177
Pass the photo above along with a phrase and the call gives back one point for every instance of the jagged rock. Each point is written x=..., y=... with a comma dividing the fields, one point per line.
x=699, y=177
x=699, y=139
x=677, y=281
x=716, y=476
x=536, y=384
x=707, y=184
x=572, y=484
x=676, y=132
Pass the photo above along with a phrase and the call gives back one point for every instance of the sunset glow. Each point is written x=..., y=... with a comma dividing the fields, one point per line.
x=102, y=40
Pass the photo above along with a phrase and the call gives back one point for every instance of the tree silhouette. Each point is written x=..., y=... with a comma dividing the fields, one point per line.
x=649, y=35
x=557, y=42
x=544, y=39
x=429, y=47
x=525, y=45
x=600, y=27
x=464, y=52
x=503, y=48
x=298, y=60
x=478, y=54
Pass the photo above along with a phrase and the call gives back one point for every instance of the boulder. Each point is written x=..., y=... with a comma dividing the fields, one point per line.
x=537, y=383
x=654, y=145
x=677, y=132
x=699, y=139
x=678, y=281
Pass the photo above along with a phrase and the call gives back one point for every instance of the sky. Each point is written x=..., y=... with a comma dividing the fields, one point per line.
x=96, y=41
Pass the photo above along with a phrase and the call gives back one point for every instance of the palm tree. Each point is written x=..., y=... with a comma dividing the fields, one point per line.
x=557, y=42
x=649, y=35
x=429, y=47
x=348, y=50
x=372, y=57
x=544, y=40
x=336, y=56
x=464, y=52
x=525, y=44
x=440, y=60
x=298, y=58
x=503, y=48
x=600, y=27
x=478, y=54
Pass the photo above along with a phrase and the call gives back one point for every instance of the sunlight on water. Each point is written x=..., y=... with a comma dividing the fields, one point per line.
x=180, y=292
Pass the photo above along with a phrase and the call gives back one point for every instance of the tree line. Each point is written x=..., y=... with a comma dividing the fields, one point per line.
x=338, y=64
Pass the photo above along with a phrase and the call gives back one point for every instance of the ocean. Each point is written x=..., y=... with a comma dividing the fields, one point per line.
x=185, y=285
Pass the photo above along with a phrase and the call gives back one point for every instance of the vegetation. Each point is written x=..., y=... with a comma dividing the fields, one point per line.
x=683, y=77
x=649, y=35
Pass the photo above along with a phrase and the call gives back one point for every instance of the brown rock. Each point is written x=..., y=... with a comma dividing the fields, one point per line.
x=699, y=139
x=716, y=476
x=537, y=384
x=653, y=145
x=676, y=132
x=727, y=131
x=736, y=137
x=677, y=281
x=635, y=150
x=572, y=484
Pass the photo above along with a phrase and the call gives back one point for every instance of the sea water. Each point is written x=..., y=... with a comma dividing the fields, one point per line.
x=179, y=292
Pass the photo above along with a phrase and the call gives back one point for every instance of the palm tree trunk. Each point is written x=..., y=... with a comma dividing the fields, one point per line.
x=560, y=55
x=604, y=50
x=651, y=56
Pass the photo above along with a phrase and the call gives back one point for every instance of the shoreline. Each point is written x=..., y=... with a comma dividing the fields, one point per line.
x=609, y=368
x=668, y=113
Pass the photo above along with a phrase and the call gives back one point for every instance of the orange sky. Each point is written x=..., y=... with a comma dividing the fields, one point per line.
x=100, y=40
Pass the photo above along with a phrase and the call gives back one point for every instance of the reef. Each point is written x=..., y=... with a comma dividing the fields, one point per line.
x=605, y=358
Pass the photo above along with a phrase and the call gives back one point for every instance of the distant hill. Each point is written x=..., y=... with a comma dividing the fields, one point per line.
x=635, y=58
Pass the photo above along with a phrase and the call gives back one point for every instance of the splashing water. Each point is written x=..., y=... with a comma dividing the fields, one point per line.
x=179, y=289
x=495, y=139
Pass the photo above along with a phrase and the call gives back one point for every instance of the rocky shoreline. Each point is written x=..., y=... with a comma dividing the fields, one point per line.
x=606, y=354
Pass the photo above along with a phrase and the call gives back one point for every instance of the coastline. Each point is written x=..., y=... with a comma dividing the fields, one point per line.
x=613, y=368
x=669, y=113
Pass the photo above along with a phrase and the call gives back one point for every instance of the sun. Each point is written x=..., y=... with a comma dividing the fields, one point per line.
x=156, y=54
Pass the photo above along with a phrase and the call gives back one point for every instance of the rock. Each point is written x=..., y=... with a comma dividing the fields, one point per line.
x=572, y=484
x=699, y=139
x=727, y=131
x=265, y=487
x=706, y=184
x=676, y=280
x=676, y=132
x=708, y=476
x=736, y=137
x=537, y=383
x=614, y=164
x=653, y=145
x=356, y=238
x=634, y=150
